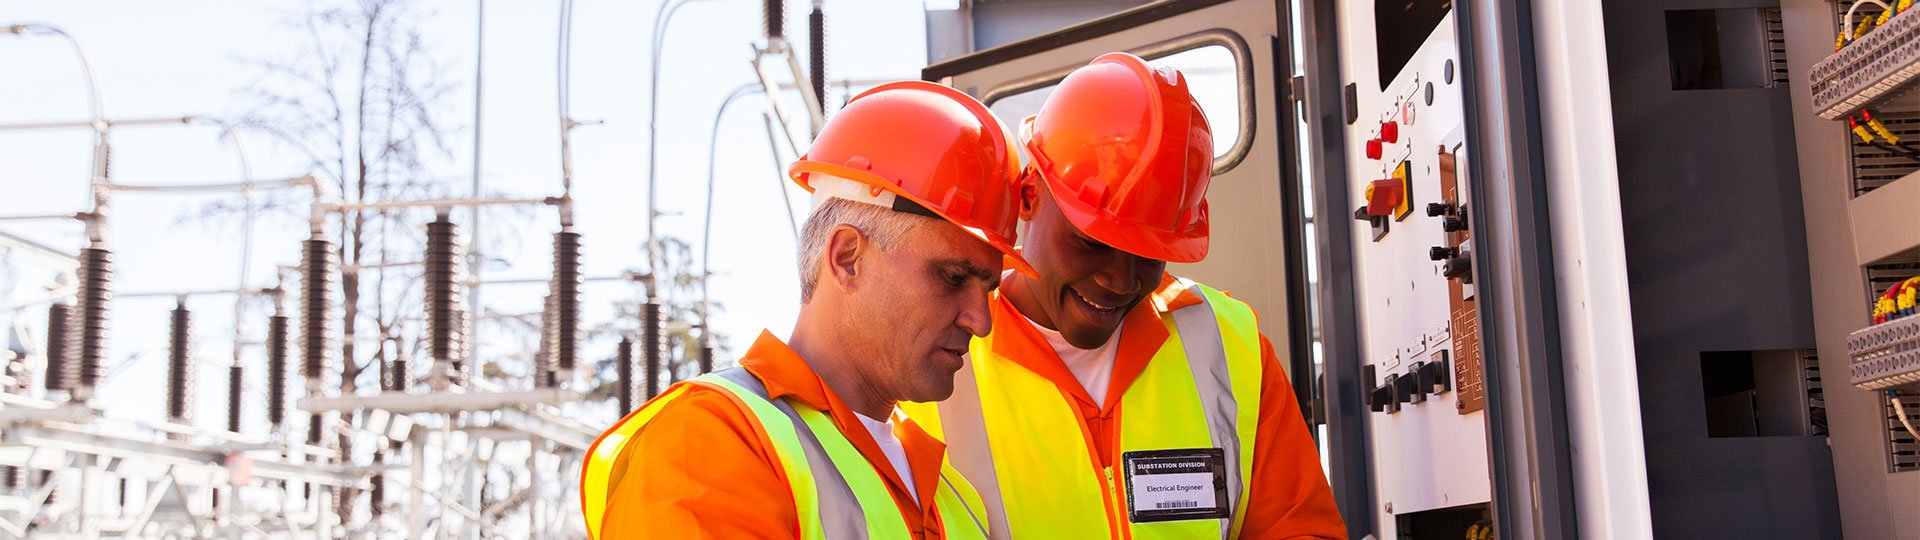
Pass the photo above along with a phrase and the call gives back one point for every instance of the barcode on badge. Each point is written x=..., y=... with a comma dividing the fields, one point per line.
x=1162, y=505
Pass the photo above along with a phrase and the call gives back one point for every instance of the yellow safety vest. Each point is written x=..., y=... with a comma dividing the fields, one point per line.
x=1013, y=434
x=836, y=491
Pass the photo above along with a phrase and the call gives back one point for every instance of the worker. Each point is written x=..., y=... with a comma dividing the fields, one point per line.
x=1113, y=399
x=913, y=219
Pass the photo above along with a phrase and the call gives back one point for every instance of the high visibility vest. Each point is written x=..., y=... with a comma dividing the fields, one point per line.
x=836, y=491
x=1020, y=441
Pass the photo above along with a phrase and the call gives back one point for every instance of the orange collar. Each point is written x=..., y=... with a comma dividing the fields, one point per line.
x=1142, y=333
x=785, y=374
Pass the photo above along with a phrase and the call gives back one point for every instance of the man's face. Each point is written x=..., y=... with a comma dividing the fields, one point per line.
x=925, y=303
x=1085, y=287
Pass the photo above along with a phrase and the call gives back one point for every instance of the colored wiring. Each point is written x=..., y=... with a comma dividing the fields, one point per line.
x=1900, y=410
x=1850, y=32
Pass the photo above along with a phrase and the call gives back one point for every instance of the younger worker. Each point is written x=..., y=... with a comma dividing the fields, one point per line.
x=914, y=213
x=1114, y=399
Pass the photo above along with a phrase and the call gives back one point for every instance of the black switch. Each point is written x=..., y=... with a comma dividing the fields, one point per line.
x=1441, y=253
x=1453, y=224
x=1439, y=209
x=1416, y=391
x=1366, y=385
x=1436, y=376
x=1405, y=389
x=1385, y=398
x=1457, y=268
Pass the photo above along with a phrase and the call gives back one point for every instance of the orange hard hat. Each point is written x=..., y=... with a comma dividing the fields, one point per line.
x=925, y=148
x=1127, y=153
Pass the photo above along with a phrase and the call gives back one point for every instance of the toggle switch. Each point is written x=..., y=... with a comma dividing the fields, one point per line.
x=1436, y=376
x=1453, y=224
x=1441, y=253
x=1385, y=196
x=1457, y=267
x=1439, y=209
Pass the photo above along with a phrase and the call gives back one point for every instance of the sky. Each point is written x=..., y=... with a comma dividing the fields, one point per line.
x=191, y=57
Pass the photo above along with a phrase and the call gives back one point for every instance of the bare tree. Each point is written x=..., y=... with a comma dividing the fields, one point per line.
x=362, y=103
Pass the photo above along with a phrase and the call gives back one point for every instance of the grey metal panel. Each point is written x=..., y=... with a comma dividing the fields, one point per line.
x=998, y=23
x=1867, y=495
x=1514, y=273
x=1346, y=390
x=1716, y=259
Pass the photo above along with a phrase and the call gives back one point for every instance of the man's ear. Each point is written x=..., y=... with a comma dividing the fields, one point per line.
x=1029, y=194
x=845, y=246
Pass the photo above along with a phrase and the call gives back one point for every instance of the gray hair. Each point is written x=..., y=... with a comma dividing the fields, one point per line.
x=881, y=225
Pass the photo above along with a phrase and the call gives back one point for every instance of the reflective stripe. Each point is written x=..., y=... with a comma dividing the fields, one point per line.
x=1016, y=436
x=812, y=501
x=833, y=485
x=968, y=448
x=1207, y=359
x=1240, y=333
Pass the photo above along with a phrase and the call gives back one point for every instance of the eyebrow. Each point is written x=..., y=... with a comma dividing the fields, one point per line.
x=971, y=270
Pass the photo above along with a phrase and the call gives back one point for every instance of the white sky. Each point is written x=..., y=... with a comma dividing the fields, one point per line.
x=184, y=57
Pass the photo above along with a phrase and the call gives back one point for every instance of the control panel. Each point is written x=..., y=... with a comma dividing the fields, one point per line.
x=1413, y=262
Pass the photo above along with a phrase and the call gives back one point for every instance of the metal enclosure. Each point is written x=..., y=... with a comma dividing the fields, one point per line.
x=1656, y=308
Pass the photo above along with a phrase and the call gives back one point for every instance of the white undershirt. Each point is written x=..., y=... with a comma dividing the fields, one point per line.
x=1093, y=368
x=896, y=454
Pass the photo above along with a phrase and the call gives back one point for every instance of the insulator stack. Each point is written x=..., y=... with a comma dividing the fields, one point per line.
x=235, y=377
x=377, y=500
x=652, y=343
x=774, y=21
x=180, y=367
x=11, y=478
x=706, y=357
x=89, y=327
x=53, y=495
x=316, y=302
x=543, y=359
x=566, y=300
x=446, y=320
x=314, y=423
x=400, y=376
x=817, y=53
x=16, y=372
x=59, y=361
x=623, y=373
x=277, y=370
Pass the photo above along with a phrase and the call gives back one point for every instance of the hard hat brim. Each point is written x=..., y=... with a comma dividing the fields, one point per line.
x=1157, y=244
x=800, y=169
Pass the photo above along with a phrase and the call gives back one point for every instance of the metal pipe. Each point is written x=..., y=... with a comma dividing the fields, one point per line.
x=475, y=260
x=660, y=20
x=46, y=217
x=241, y=186
x=548, y=280
x=780, y=183
x=435, y=203
x=95, y=106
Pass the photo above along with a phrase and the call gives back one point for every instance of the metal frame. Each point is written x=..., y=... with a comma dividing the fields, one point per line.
x=1243, y=83
x=1526, y=402
x=1346, y=410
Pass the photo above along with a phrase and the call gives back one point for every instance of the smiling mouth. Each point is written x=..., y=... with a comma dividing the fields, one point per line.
x=1096, y=306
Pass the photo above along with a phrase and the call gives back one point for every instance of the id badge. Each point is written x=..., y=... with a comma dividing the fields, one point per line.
x=1176, y=485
